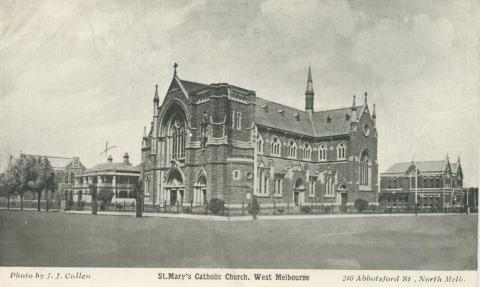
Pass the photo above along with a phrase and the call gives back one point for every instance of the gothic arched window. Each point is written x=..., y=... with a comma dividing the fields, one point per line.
x=365, y=169
x=275, y=146
x=341, y=151
x=259, y=143
x=292, y=149
x=177, y=137
x=322, y=152
x=263, y=183
x=307, y=152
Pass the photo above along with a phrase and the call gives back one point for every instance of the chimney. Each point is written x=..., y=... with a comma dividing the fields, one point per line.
x=110, y=159
x=125, y=159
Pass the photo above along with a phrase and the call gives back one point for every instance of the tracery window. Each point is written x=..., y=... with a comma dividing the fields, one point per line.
x=275, y=146
x=365, y=169
x=176, y=137
x=292, y=149
x=307, y=152
x=341, y=151
x=263, y=183
x=322, y=152
x=259, y=143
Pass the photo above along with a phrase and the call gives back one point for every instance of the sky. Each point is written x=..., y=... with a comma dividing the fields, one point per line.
x=75, y=74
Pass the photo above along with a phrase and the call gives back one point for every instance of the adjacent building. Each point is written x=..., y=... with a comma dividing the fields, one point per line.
x=119, y=177
x=438, y=184
x=66, y=169
x=220, y=141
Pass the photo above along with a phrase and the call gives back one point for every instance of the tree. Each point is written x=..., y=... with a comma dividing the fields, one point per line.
x=7, y=186
x=43, y=179
x=23, y=173
x=37, y=182
x=51, y=182
x=105, y=196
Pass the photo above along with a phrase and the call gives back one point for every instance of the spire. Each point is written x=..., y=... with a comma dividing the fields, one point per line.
x=155, y=97
x=309, y=81
x=366, y=98
x=354, y=105
x=144, y=131
x=447, y=158
x=374, y=116
x=155, y=101
x=458, y=159
x=309, y=94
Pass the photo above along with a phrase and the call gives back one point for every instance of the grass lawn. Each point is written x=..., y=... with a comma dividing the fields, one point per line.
x=417, y=243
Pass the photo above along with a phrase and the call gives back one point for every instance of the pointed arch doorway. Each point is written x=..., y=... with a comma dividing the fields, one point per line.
x=299, y=192
x=200, y=191
x=174, y=186
x=343, y=191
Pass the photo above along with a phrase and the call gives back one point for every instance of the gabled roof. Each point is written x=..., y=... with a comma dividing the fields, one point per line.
x=283, y=117
x=186, y=86
x=57, y=162
x=338, y=123
x=320, y=123
x=192, y=86
x=286, y=120
x=423, y=167
x=456, y=168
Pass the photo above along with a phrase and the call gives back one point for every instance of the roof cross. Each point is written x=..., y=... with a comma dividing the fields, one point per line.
x=175, y=65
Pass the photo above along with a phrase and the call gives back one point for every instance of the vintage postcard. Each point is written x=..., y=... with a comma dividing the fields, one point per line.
x=266, y=143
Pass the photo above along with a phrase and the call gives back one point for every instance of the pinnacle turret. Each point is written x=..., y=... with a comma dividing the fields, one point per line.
x=309, y=94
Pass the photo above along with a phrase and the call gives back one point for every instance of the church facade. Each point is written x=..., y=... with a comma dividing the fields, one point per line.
x=220, y=141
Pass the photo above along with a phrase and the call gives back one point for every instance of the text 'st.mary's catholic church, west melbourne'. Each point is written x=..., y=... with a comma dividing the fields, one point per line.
x=222, y=141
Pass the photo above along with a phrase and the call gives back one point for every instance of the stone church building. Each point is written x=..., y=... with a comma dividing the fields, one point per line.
x=221, y=141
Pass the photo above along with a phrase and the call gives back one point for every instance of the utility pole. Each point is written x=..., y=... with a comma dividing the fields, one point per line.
x=93, y=191
x=467, y=209
x=416, y=187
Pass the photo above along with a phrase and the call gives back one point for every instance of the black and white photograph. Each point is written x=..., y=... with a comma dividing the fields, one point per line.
x=285, y=135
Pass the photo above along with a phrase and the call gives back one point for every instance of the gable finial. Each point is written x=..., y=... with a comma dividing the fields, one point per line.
x=447, y=158
x=366, y=95
x=175, y=65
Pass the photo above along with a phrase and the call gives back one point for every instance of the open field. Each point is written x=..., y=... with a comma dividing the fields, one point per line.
x=447, y=242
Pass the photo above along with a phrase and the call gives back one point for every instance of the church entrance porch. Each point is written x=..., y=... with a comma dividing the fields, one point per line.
x=343, y=198
x=176, y=195
x=200, y=191
x=174, y=189
x=299, y=192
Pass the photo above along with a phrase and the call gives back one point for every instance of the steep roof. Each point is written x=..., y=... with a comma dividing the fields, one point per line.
x=57, y=162
x=186, y=86
x=283, y=121
x=423, y=166
x=192, y=86
x=320, y=123
x=338, y=124
x=283, y=117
